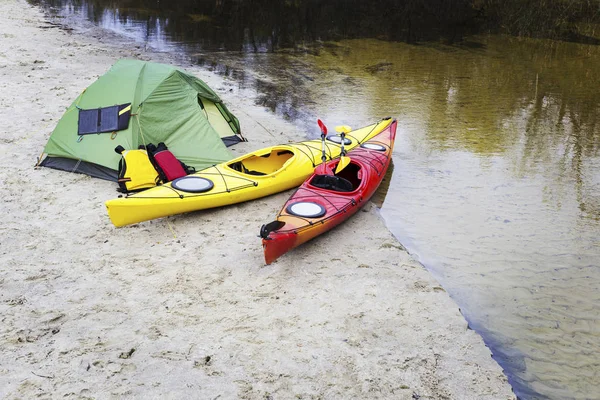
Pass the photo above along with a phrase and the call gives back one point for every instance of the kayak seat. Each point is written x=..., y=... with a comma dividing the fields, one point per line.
x=240, y=167
x=332, y=182
x=352, y=173
x=257, y=173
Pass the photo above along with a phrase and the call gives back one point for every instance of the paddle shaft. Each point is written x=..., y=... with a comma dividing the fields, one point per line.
x=321, y=168
x=323, y=156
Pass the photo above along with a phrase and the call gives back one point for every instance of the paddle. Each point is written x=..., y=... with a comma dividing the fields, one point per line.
x=322, y=168
x=344, y=161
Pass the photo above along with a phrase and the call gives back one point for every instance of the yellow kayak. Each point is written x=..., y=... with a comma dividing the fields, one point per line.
x=251, y=176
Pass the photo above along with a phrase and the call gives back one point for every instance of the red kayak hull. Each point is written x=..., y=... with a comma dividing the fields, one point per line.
x=324, y=201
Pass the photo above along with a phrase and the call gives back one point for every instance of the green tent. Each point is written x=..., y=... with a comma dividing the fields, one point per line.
x=136, y=103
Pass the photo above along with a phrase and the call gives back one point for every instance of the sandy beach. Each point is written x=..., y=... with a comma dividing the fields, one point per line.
x=184, y=307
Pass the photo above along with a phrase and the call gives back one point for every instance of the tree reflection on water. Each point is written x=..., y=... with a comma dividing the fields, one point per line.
x=264, y=25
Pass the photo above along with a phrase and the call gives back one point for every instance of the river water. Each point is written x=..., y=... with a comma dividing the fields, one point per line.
x=495, y=185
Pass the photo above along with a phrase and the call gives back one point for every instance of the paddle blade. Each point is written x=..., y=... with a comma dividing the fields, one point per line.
x=343, y=128
x=322, y=126
x=344, y=161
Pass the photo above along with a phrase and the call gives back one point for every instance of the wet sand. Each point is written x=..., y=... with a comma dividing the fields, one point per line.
x=184, y=306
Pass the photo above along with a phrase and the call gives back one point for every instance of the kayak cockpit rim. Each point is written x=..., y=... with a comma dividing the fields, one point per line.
x=266, y=163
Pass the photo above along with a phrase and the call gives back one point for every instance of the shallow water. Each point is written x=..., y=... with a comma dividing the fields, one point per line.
x=496, y=179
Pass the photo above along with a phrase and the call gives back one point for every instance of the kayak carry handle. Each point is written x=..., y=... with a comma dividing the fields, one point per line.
x=270, y=227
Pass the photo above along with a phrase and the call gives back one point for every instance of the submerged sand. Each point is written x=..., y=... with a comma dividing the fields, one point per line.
x=184, y=307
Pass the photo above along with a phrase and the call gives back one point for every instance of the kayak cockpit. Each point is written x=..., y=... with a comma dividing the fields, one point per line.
x=347, y=180
x=332, y=182
x=264, y=164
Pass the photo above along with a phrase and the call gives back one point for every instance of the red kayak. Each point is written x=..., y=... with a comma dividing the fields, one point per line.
x=328, y=198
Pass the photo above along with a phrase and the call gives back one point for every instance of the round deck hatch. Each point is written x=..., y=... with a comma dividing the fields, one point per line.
x=306, y=209
x=192, y=184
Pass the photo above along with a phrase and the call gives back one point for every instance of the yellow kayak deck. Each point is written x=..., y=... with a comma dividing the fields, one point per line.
x=251, y=176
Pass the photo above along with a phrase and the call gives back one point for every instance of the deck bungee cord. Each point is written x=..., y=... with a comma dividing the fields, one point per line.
x=367, y=156
x=311, y=193
x=181, y=194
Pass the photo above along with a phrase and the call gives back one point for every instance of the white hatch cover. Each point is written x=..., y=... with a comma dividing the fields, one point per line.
x=192, y=184
x=373, y=146
x=338, y=139
x=306, y=209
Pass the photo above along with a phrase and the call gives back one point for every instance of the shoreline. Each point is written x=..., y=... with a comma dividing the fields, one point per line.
x=184, y=305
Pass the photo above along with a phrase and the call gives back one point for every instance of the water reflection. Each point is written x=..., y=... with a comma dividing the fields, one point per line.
x=380, y=194
x=264, y=25
x=495, y=187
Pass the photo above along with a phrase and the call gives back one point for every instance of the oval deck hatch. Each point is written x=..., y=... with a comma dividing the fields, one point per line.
x=192, y=184
x=306, y=209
